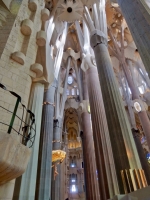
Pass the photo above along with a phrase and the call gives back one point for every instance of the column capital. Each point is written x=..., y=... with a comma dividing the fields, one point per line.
x=83, y=107
x=41, y=80
x=70, y=52
x=88, y=61
x=97, y=37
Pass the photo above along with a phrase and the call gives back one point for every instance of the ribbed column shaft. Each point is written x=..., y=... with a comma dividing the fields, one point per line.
x=100, y=133
x=86, y=173
x=93, y=159
x=56, y=184
x=28, y=182
x=88, y=154
x=56, y=146
x=43, y=189
x=92, y=187
x=137, y=16
x=118, y=125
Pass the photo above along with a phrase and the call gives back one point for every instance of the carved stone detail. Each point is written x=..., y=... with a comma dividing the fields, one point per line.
x=98, y=37
x=45, y=14
x=88, y=61
x=83, y=106
x=41, y=38
x=19, y=57
x=14, y=158
x=32, y=5
x=26, y=27
x=38, y=69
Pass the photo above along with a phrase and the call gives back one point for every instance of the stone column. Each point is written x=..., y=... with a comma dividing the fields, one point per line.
x=6, y=190
x=91, y=183
x=57, y=137
x=105, y=164
x=135, y=132
x=142, y=114
x=56, y=146
x=43, y=186
x=88, y=152
x=118, y=125
x=137, y=17
x=28, y=183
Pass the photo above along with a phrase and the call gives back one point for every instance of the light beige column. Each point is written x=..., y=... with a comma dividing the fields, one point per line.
x=28, y=183
x=6, y=190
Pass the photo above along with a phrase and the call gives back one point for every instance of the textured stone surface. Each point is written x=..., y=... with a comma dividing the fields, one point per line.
x=26, y=27
x=43, y=189
x=15, y=76
x=118, y=125
x=91, y=183
x=28, y=183
x=138, y=20
x=19, y=57
x=14, y=158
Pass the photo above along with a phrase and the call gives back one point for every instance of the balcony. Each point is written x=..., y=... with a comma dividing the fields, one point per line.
x=16, y=137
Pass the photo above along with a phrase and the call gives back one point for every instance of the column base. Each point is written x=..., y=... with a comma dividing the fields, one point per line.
x=140, y=194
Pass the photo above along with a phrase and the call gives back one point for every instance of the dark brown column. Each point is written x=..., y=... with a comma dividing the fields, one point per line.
x=108, y=184
x=119, y=129
x=92, y=191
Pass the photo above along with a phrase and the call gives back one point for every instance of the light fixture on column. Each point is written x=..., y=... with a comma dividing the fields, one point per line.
x=58, y=155
x=139, y=105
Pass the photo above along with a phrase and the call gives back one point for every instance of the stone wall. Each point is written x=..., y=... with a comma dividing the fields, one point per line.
x=15, y=76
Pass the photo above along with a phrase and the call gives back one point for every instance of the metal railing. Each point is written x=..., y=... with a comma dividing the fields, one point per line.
x=26, y=130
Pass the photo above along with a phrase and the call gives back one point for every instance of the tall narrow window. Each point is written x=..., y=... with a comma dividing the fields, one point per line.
x=67, y=92
x=73, y=189
x=141, y=89
x=72, y=91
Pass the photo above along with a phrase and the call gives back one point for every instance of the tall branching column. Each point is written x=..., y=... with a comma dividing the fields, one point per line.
x=125, y=64
x=102, y=132
x=137, y=15
x=57, y=136
x=135, y=131
x=56, y=146
x=145, y=122
x=105, y=166
x=45, y=152
x=120, y=134
x=92, y=189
